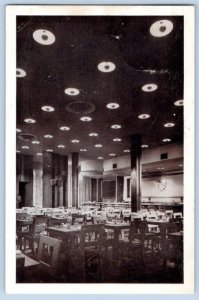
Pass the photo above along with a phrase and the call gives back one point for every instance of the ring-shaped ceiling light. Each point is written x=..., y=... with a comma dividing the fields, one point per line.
x=106, y=66
x=20, y=72
x=71, y=91
x=149, y=87
x=44, y=37
x=179, y=102
x=161, y=28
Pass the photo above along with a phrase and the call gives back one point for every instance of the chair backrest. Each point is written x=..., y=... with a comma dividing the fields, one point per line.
x=39, y=224
x=48, y=255
x=56, y=221
x=78, y=219
x=93, y=236
x=99, y=220
x=169, y=213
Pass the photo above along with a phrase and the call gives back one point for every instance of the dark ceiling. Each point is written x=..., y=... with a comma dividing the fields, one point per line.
x=81, y=43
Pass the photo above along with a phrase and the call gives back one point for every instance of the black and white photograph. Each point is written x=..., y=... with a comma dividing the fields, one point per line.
x=100, y=111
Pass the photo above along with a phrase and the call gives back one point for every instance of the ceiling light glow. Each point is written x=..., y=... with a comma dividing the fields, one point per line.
x=179, y=103
x=20, y=73
x=117, y=140
x=48, y=136
x=72, y=91
x=47, y=108
x=115, y=126
x=150, y=87
x=30, y=121
x=144, y=116
x=161, y=28
x=166, y=140
x=44, y=37
x=106, y=67
x=35, y=142
x=93, y=134
x=75, y=141
x=86, y=119
x=98, y=145
x=169, y=125
x=66, y=128
x=112, y=105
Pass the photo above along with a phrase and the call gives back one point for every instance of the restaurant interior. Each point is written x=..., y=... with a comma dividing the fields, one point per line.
x=99, y=149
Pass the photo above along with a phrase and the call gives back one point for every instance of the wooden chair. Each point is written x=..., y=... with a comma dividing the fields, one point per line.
x=33, y=236
x=93, y=236
x=78, y=219
x=48, y=257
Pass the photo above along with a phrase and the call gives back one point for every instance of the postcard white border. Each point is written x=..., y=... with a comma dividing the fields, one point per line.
x=189, y=92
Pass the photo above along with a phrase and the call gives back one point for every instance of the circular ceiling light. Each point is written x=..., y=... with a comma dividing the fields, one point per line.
x=169, y=125
x=86, y=119
x=112, y=105
x=29, y=120
x=20, y=72
x=18, y=151
x=98, y=145
x=93, y=134
x=49, y=150
x=179, y=103
x=71, y=91
x=18, y=130
x=100, y=157
x=161, y=28
x=39, y=154
x=117, y=140
x=115, y=126
x=47, y=108
x=66, y=128
x=75, y=141
x=35, y=142
x=145, y=146
x=25, y=147
x=166, y=140
x=126, y=151
x=61, y=146
x=106, y=66
x=112, y=154
x=144, y=116
x=43, y=37
x=150, y=87
x=83, y=150
x=80, y=107
x=48, y=136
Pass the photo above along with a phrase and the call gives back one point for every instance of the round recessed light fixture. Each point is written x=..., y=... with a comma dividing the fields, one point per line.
x=71, y=91
x=144, y=146
x=100, y=157
x=144, y=116
x=126, y=151
x=112, y=105
x=117, y=140
x=161, y=28
x=98, y=145
x=49, y=150
x=39, y=154
x=44, y=37
x=106, y=66
x=93, y=134
x=83, y=150
x=65, y=128
x=20, y=73
x=18, y=130
x=61, y=146
x=18, y=151
x=47, y=108
x=150, y=87
x=169, y=125
x=29, y=120
x=35, y=142
x=48, y=136
x=166, y=140
x=75, y=141
x=25, y=147
x=115, y=126
x=86, y=119
x=179, y=103
x=112, y=154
